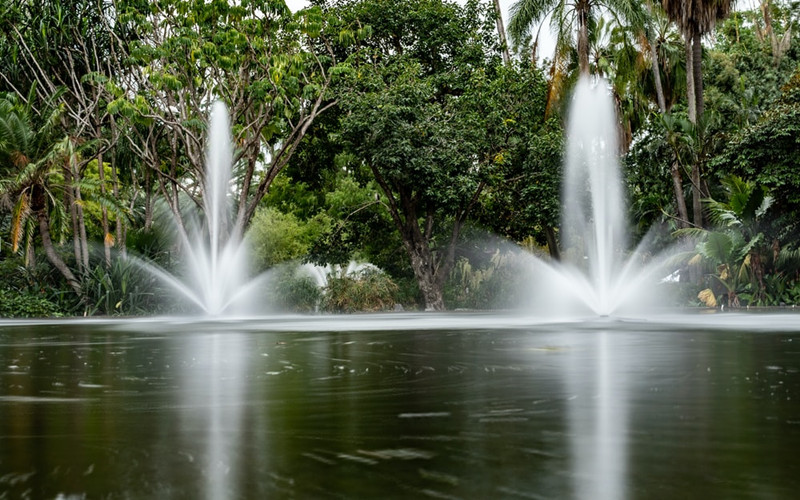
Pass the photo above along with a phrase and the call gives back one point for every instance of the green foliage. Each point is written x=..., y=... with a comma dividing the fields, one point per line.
x=292, y=290
x=14, y=304
x=276, y=237
x=368, y=291
x=124, y=289
x=492, y=284
x=768, y=153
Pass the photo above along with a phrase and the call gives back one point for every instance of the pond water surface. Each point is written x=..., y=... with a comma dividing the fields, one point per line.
x=401, y=406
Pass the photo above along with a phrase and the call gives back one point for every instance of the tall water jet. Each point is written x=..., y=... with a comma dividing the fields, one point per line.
x=215, y=278
x=598, y=276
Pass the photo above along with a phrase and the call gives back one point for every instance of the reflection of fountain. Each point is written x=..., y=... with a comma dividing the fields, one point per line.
x=213, y=393
x=216, y=268
x=598, y=420
x=593, y=225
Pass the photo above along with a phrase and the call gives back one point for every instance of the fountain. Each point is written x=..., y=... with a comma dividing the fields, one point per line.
x=215, y=278
x=596, y=276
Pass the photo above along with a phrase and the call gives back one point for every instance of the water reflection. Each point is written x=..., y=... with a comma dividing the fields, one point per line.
x=213, y=392
x=186, y=411
x=598, y=417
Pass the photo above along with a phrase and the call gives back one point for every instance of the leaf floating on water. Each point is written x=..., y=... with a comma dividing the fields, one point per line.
x=707, y=297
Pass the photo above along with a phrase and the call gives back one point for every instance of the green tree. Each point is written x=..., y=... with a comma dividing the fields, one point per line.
x=254, y=56
x=414, y=116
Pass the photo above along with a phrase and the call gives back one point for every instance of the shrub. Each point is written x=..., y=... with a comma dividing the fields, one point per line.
x=15, y=304
x=369, y=290
x=294, y=291
x=123, y=289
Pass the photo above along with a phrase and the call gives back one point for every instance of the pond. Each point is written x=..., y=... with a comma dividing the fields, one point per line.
x=401, y=406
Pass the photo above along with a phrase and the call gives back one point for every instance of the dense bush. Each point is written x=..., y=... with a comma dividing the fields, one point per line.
x=15, y=304
x=293, y=291
x=124, y=288
x=369, y=290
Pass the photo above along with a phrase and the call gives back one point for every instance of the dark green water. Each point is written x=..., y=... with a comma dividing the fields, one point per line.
x=396, y=408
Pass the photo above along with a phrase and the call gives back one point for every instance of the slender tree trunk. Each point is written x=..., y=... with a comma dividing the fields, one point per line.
x=662, y=103
x=677, y=186
x=583, y=37
x=119, y=225
x=552, y=243
x=691, y=102
x=697, y=69
x=148, y=197
x=73, y=213
x=501, y=32
x=83, y=262
x=52, y=254
x=697, y=200
x=107, y=238
x=693, y=65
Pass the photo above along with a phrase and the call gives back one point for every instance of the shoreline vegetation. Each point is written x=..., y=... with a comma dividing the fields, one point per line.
x=408, y=134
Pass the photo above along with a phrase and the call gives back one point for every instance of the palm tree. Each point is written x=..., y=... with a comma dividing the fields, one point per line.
x=501, y=32
x=696, y=18
x=31, y=161
x=570, y=17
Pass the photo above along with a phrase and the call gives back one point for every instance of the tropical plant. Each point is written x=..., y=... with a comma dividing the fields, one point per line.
x=696, y=18
x=571, y=19
x=33, y=156
x=735, y=249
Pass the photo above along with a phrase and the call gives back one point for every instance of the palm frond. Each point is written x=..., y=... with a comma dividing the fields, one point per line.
x=19, y=215
x=524, y=14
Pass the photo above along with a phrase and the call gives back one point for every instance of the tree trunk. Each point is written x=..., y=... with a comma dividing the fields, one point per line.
x=148, y=197
x=107, y=238
x=697, y=200
x=73, y=213
x=697, y=69
x=691, y=102
x=119, y=226
x=52, y=255
x=694, y=90
x=552, y=243
x=583, y=38
x=83, y=262
x=677, y=186
x=662, y=103
x=421, y=262
x=501, y=32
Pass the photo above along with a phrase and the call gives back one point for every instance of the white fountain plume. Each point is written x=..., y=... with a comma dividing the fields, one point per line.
x=602, y=278
x=216, y=275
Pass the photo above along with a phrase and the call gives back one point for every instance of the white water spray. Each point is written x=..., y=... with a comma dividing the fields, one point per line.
x=598, y=276
x=216, y=276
